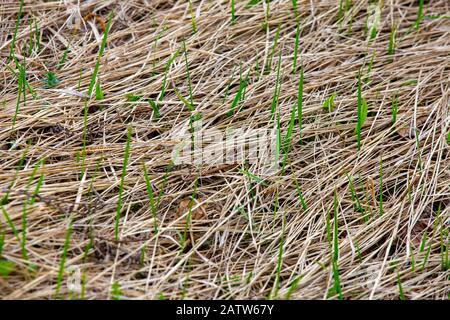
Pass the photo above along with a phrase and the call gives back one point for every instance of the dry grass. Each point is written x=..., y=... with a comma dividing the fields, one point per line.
x=227, y=252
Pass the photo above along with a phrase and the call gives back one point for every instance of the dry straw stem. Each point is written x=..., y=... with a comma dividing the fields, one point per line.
x=234, y=249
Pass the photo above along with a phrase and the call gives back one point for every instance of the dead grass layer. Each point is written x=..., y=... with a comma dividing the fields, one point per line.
x=232, y=247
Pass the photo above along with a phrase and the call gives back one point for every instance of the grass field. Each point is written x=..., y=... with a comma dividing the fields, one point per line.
x=94, y=99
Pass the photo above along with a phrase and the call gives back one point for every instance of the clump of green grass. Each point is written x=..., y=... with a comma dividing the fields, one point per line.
x=122, y=181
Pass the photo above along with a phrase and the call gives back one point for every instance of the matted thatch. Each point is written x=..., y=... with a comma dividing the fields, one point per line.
x=247, y=235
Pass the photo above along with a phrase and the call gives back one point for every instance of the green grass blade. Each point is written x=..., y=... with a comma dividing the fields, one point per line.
x=335, y=234
x=419, y=15
x=122, y=181
x=275, y=42
x=252, y=3
x=381, y=187
x=300, y=196
x=188, y=74
x=237, y=98
x=328, y=104
x=191, y=11
x=277, y=84
x=360, y=106
x=293, y=287
x=100, y=54
x=392, y=37
x=151, y=198
x=63, y=58
x=300, y=106
x=335, y=266
x=63, y=259
x=394, y=109
x=297, y=40
x=98, y=91
x=279, y=261
x=355, y=198
x=295, y=8
x=13, y=41
x=116, y=291
x=10, y=223
x=20, y=91
x=233, y=12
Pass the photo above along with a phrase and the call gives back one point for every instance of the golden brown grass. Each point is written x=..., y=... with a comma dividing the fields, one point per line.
x=230, y=247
